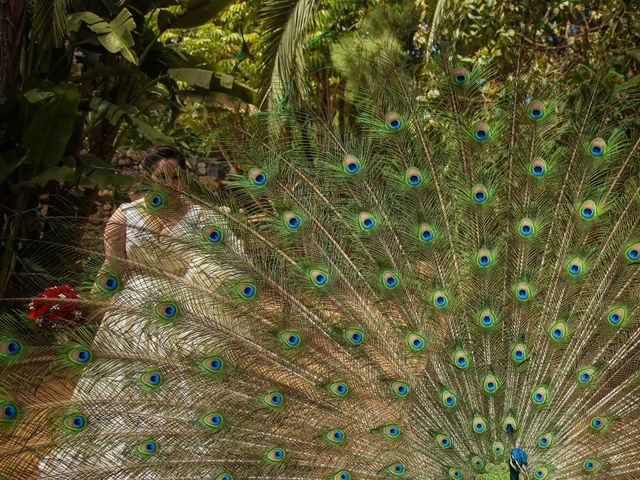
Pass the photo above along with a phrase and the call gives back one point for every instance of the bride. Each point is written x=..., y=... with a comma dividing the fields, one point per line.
x=146, y=243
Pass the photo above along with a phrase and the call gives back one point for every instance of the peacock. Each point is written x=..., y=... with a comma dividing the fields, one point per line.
x=444, y=285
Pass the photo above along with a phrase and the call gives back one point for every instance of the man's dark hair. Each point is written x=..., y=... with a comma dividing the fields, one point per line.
x=158, y=152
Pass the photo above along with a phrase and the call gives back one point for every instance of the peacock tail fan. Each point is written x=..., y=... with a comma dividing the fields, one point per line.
x=415, y=297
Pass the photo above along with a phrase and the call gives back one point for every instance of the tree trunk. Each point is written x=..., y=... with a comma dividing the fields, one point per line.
x=13, y=17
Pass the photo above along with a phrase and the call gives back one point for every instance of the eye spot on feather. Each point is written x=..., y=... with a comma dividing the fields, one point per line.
x=9, y=411
x=399, y=389
x=397, y=469
x=460, y=75
x=80, y=356
x=151, y=379
x=586, y=375
x=351, y=164
x=616, y=317
x=393, y=121
x=546, y=440
x=440, y=299
x=478, y=424
x=147, y=448
x=257, y=177
x=10, y=347
x=526, y=227
x=290, y=338
x=212, y=234
x=354, y=336
x=390, y=280
x=455, y=473
x=413, y=177
x=107, y=282
x=213, y=364
x=225, y=476
x=522, y=291
x=338, y=389
x=536, y=110
x=538, y=167
x=509, y=425
x=415, y=341
x=597, y=147
x=319, y=278
x=519, y=353
x=588, y=210
x=633, y=252
x=541, y=473
x=366, y=221
x=479, y=194
x=390, y=432
x=449, y=399
x=74, y=423
x=498, y=448
x=213, y=421
x=443, y=441
x=575, y=267
x=460, y=359
x=291, y=220
x=342, y=475
x=275, y=455
x=484, y=258
x=167, y=310
x=426, y=233
x=558, y=331
x=540, y=396
x=246, y=290
x=153, y=200
x=481, y=131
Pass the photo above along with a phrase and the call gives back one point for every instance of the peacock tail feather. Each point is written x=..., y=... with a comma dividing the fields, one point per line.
x=454, y=278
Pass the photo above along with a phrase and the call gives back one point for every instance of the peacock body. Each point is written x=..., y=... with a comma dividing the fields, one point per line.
x=448, y=291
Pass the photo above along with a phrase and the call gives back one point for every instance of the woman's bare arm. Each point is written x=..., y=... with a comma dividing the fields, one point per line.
x=115, y=235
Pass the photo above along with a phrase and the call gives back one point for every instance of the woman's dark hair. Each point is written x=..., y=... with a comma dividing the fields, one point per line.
x=158, y=152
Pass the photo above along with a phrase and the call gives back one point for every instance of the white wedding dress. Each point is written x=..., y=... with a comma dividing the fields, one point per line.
x=162, y=269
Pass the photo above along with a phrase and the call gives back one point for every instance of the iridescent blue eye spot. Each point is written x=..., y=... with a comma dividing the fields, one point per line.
x=341, y=388
x=13, y=347
x=169, y=311
x=248, y=291
x=353, y=167
x=399, y=468
x=462, y=361
x=479, y=196
x=414, y=179
x=518, y=354
x=215, y=235
x=633, y=254
x=394, y=124
x=344, y=476
x=278, y=453
x=156, y=200
x=417, y=343
x=293, y=340
x=557, y=333
x=584, y=376
x=150, y=447
x=111, y=283
x=575, y=269
x=215, y=419
x=487, y=320
x=225, y=477
x=216, y=364
x=491, y=386
x=596, y=150
x=589, y=464
x=83, y=355
x=614, y=317
x=544, y=441
x=484, y=260
x=596, y=422
x=321, y=278
x=481, y=134
x=337, y=435
x=450, y=401
x=260, y=179
x=538, y=397
x=460, y=79
x=522, y=293
x=9, y=412
x=440, y=301
x=525, y=230
x=391, y=281
x=426, y=235
x=293, y=222
x=587, y=212
x=539, y=473
x=368, y=223
x=537, y=170
x=154, y=379
x=402, y=389
x=356, y=337
x=536, y=113
x=445, y=442
x=276, y=399
x=393, y=431
x=78, y=421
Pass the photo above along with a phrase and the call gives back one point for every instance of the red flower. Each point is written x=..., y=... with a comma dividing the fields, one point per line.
x=48, y=313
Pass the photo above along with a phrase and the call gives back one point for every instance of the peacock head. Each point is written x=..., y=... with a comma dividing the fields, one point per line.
x=518, y=464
